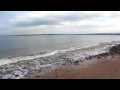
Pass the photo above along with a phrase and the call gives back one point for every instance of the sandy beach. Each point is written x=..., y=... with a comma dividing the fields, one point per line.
x=103, y=68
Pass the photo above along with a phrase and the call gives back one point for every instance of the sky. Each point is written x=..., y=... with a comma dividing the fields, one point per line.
x=59, y=22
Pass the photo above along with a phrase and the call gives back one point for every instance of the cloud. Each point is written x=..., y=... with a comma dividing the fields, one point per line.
x=36, y=22
x=50, y=18
x=18, y=22
x=76, y=16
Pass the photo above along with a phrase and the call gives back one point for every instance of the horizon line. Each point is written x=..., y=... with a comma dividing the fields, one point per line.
x=67, y=34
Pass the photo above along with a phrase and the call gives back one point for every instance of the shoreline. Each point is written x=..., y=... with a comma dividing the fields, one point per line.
x=61, y=65
x=104, y=68
x=101, y=66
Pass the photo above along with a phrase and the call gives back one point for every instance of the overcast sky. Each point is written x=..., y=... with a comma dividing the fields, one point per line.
x=59, y=22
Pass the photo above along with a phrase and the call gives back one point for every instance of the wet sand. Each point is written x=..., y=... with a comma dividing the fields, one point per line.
x=102, y=68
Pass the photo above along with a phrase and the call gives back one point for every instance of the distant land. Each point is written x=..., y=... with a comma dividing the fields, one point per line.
x=65, y=34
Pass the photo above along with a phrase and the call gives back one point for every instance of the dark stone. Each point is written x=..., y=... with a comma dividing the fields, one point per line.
x=115, y=50
x=81, y=60
x=16, y=75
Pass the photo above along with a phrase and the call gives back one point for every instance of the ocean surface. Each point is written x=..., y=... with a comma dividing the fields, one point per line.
x=14, y=46
x=20, y=54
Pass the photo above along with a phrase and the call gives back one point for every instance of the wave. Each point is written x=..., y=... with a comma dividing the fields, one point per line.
x=95, y=49
x=18, y=67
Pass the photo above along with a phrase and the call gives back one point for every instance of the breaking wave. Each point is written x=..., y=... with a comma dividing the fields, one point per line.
x=49, y=58
x=89, y=51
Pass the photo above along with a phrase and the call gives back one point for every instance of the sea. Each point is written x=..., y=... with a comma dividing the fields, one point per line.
x=14, y=46
x=40, y=49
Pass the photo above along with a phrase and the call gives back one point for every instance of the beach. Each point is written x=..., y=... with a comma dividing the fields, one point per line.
x=59, y=45
x=103, y=68
x=95, y=62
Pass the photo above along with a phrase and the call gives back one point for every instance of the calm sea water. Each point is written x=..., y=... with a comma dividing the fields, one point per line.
x=12, y=46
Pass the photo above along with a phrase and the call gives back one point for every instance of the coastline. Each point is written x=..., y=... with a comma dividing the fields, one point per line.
x=102, y=68
x=85, y=63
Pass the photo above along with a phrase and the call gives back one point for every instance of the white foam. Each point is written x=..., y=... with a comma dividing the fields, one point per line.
x=18, y=71
x=16, y=59
x=17, y=74
x=82, y=55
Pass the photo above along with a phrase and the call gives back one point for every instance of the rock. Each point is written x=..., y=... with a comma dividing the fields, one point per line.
x=16, y=75
x=74, y=62
x=115, y=50
x=81, y=60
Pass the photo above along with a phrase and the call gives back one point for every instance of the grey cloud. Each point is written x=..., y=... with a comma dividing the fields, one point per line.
x=36, y=23
x=55, y=19
x=12, y=22
x=76, y=16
